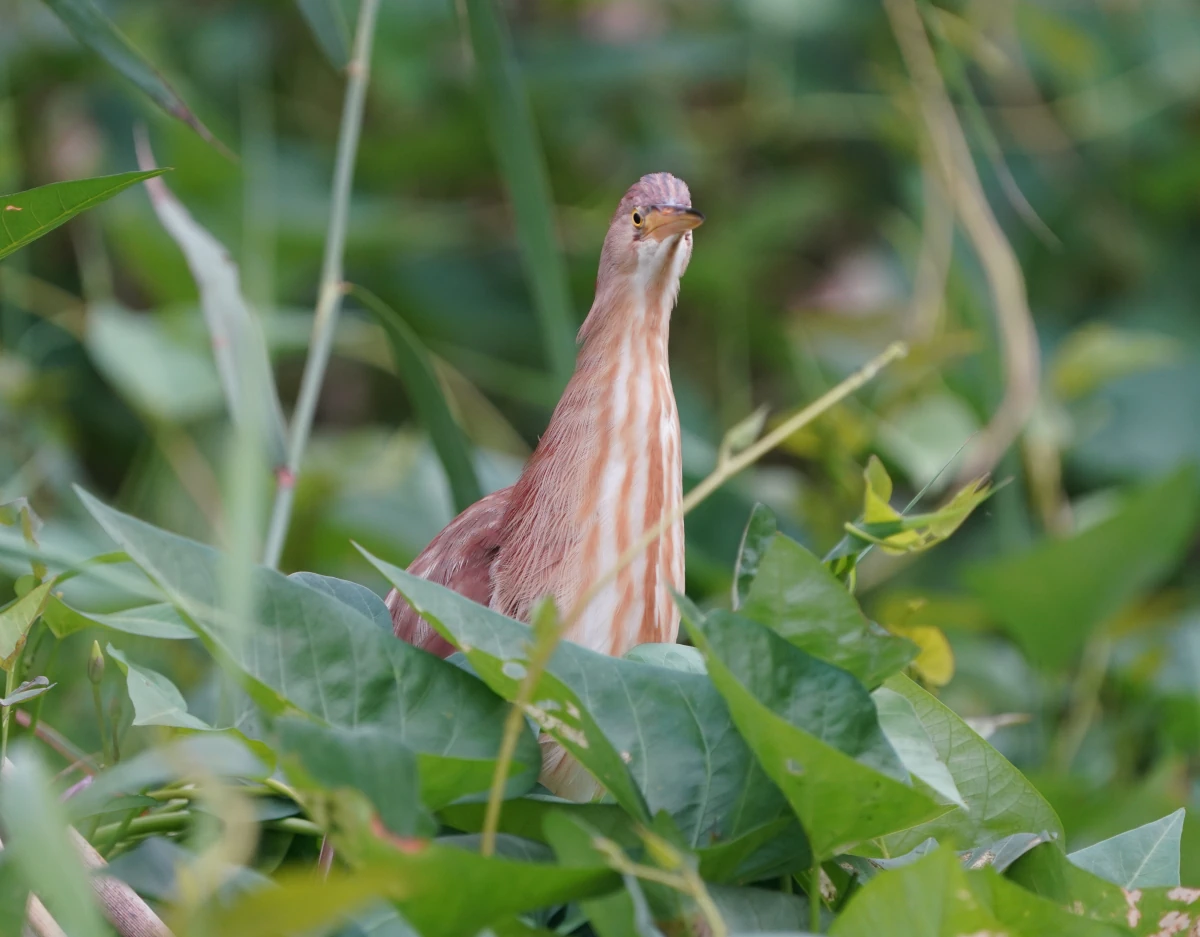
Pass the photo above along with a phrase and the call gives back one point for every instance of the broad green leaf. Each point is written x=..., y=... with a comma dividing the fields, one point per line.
x=814, y=729
x=418, y=872
x=26, y=216
x=156, y=700
x=327, y=22
x=415, y=370
x=368, y=759
x=96, y=31
x=153, y=867
x=157, y=375
x=1146, y=912
x=238, y=346
x=657, y=738
x=303, y=648
x=1031, y=915
x=912, y=744
x=16, y=620
x=36, y=842
x=1098, y=353
x=796, y=595
x=999, y=799
x=160, y=620
x=354, y=594
x=1052, y=597
x=929, y=898
x=1141, y=858
x=756, y=540
x=523, y=167
x=214, y=754
x=671, y=656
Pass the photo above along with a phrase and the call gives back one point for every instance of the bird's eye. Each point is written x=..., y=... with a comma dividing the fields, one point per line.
x=637, y=218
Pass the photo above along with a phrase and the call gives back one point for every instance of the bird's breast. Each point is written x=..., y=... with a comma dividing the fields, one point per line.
x=635, y=481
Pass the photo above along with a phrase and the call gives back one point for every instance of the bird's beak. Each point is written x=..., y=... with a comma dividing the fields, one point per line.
x=664, y=220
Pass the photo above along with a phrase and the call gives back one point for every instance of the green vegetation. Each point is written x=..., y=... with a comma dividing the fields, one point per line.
x=939, y=670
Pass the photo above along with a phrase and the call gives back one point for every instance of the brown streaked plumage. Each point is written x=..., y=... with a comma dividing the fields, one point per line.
x=608, y=467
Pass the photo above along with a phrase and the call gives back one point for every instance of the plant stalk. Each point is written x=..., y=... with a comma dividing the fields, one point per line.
x=814, y=899
x=329, y=294
x=721, y=474
x=6, y=711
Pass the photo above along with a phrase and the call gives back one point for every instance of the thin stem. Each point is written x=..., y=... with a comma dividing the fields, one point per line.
x=10, y=681
x=71, y=752
x=329, y=294
x=179, y=820
x=814, y=899
x=36, y=715
x=100, y=723
x=1084, y=702
x=721, y=474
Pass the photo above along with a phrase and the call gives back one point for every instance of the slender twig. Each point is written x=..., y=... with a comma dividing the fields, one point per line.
x=329, y=296
x=724, y=471
x=59, y=742
x=687, y=881
x=10, y=683
x=1018, y=338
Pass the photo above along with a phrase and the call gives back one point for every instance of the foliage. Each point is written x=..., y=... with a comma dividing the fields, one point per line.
x=906, y=700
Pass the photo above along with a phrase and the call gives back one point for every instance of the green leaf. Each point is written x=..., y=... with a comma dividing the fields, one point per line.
x=160, y=620
x=418, y=872
x=414, y=367
x=896, y=533
x=30, y=689
x=523, y=166
x=797, y=596
x=302, y=648
x=238, y=346
x=16, y=620
x=96, y=31
x=814, y=729
x=1147, y=912
x=1145, y=857
x=1098, y=353
x=912, y=744
x=368, y=759
x=328, y=25
x=1000, y=801
x=36, y=843
x=756, y=540
x=1031, y=915
x=671, y=656
x=156, y=700
x=159, y=376
x=928, y=898
x=354, y=594
x=656, y=738
x=26, y=216
x=1052, y=597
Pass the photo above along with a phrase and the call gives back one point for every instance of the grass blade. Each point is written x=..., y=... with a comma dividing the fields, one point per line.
x=239, y=348
x=523, y=166
x=96, y=31
x=26, y=216
x=328, y=25
x=415, y=370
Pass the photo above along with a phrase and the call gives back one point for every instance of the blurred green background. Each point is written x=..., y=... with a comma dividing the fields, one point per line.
x=796, y=126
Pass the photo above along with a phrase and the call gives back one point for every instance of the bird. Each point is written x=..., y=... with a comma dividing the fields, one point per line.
x=607, y=469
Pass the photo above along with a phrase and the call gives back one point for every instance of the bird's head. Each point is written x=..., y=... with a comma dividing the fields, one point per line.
x=648, y=244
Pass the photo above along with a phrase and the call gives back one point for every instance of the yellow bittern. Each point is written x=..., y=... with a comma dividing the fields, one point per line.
x=608, y=467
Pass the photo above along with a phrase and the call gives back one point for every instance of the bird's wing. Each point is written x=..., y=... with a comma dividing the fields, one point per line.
x=460, y=557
